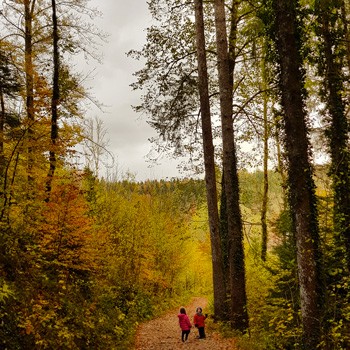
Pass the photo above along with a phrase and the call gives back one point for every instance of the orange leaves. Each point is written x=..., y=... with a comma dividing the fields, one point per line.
x=28, y=328
x=66, y=228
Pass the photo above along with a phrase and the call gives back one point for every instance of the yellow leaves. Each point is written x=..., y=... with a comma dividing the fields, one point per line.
x=146, y=235
x=119, y=331
x=121, y=317
x=290, y=317
x=5, y=291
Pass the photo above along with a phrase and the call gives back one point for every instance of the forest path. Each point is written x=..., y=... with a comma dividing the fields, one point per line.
x=164, y=333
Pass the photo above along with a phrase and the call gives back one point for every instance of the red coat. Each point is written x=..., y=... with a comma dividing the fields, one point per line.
x=184, y=321
x=199, y=320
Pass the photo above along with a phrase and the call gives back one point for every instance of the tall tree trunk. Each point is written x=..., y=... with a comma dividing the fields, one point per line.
x=209, y=163
x=2, y=154
x=29, y=72
x=345, y=12
x=54, y=101
x=2, y=124
x=265, y=170
x=301, y=186
x=224, y=245
x=239, y=316
x=338, y=131
x=345, y=19
x=232, y=38
x=280, y=166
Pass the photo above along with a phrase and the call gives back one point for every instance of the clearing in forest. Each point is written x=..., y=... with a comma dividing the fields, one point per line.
x=164, y=333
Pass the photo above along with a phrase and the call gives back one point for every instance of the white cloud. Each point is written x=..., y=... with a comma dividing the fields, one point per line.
x=125, y=22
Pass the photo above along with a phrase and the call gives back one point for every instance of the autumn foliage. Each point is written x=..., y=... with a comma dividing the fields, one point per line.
x=85, y=267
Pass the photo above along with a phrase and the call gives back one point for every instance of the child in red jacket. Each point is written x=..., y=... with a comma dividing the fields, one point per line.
x=198, y=320
x=185, y=324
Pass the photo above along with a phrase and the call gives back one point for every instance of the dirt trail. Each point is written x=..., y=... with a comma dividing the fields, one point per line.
x=164, y=333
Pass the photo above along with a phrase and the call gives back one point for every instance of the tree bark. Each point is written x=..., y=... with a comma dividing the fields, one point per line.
x=345, y=18
x=338, y=131
x=239, y=316
x=224, y=245
x=301, y=186
x=209, y=163
x=29, y=74
x=265, y=198
x=2, y=124
x=54, y=101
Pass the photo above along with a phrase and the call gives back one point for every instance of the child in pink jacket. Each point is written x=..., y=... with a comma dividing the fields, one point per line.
x=185, y=324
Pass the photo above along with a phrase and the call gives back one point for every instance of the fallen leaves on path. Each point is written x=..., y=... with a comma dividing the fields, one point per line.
x=164, y=333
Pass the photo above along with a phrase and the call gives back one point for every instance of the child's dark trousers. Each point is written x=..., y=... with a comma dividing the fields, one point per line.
x=201, y=332
x=184, y=335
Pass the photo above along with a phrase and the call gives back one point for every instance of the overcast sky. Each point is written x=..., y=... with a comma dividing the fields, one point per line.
x=125, y=21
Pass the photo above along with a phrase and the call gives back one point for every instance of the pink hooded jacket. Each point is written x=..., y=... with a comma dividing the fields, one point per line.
x=184, y=321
